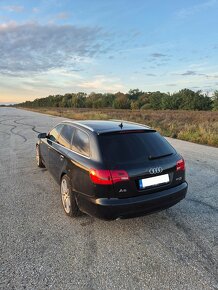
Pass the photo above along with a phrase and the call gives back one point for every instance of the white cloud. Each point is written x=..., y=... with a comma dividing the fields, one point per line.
x=33, y=48
x=185, y=12
x=62, y=15
x=13, y=8
x=35, y=10
x=102, y=83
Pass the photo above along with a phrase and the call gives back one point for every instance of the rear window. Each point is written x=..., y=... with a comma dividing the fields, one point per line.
x=133, y=147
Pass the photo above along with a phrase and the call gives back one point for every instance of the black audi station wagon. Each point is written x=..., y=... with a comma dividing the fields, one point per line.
x=112, y=169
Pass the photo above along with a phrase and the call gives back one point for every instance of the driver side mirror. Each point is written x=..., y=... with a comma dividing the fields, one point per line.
x=42, y=135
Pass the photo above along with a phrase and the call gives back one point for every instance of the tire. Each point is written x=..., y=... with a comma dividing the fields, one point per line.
x=38, y=158
x=68, y=198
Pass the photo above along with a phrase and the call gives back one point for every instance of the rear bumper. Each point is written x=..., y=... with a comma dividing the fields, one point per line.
x=113, y=208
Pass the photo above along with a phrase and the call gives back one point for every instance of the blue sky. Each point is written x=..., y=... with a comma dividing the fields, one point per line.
x=51, y=47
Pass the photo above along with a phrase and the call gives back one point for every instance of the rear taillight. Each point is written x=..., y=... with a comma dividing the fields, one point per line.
x=180, y=165
x=105, y=177
x=119, y=175
x=100, y=176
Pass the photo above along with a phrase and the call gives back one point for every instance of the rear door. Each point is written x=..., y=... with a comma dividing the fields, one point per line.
x=80, y=175
x=142, y=155
x=58, y=152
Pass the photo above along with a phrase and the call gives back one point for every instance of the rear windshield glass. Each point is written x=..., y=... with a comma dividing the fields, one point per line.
x=133, y=147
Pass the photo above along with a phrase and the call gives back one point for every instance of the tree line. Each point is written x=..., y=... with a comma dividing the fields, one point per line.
x=184, y=99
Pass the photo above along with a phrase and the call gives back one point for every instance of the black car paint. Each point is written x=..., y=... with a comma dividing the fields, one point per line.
x=123, y=199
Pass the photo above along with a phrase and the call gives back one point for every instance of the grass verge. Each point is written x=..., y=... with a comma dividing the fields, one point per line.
x=195, y=126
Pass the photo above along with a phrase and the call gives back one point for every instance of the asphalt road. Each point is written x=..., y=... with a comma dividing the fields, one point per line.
x=41, y=248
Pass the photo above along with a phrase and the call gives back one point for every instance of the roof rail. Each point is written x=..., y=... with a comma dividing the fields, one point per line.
x=80, y=124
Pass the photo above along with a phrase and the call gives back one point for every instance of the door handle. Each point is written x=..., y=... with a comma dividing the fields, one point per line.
x=61, y=157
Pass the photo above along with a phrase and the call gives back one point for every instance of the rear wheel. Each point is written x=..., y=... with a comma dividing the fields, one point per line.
x=38, y=158
x=68, y=198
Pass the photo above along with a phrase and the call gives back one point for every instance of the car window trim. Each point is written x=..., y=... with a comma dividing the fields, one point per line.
x=75, y=127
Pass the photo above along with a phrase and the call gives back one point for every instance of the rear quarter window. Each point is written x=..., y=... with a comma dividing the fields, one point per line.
x=81, y=143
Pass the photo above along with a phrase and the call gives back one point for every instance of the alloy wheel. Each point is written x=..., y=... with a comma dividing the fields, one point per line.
x=65, y=195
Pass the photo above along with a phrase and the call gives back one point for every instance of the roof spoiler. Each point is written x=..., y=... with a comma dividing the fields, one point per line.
x=124, y=121
x=123, y=131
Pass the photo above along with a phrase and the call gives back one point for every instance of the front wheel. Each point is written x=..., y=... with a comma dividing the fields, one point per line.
x=68, y=199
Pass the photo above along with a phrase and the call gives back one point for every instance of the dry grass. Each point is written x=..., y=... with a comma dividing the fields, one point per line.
x=195, y=126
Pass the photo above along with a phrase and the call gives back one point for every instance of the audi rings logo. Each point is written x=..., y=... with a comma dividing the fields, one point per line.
x=155, y=170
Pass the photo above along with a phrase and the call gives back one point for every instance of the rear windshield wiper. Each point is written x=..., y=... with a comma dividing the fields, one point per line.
x=160, y=156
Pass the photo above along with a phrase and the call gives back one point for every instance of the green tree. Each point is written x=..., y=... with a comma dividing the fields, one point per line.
x=107, y=100
x=191, y=100
x=170, y=102
x=215, y=101
x=155, y=99
x=94, y=100
x=135, y=105
x=185, y=99
x=121, y=101
x=144, y=99
x=78, y=100
x=134, y=94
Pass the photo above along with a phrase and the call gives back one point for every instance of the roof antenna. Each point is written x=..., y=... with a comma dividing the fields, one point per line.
x=121, y=125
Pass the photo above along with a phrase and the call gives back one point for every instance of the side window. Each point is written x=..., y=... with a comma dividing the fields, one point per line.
x=66, y=136
x=54, y=133
x=81, y=142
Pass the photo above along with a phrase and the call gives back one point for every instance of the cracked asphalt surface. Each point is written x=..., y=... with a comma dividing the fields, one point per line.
x=41, y=248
